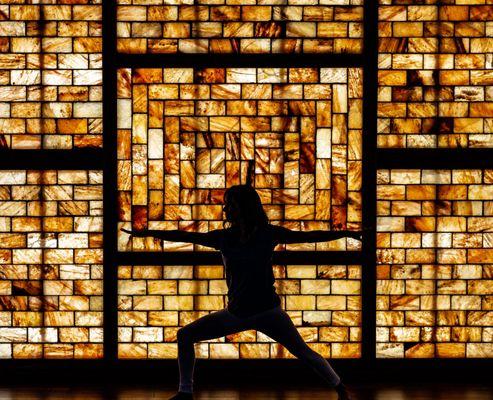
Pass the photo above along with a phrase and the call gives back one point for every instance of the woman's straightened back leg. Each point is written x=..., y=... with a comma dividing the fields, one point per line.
x=277, y=324
x=214, y=325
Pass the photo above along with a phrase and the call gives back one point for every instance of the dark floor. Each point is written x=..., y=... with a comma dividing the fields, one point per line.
x=361, y=392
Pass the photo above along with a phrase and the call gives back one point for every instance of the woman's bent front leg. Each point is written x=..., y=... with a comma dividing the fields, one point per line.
x=211, y=326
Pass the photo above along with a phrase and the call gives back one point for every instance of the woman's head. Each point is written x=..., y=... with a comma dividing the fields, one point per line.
x=243, y=208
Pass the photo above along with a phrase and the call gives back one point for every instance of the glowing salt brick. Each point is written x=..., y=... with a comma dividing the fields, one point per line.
x=479, y=256
x=13, y=334
x=163, y=318
x=58, y=351
x=421, y=350
x=479, y=318
x=385, y=256
x=21, y=350
x=479, y=350
x=248, y=350
x=391, y=192
x=146, y=334
x=162, y=350
x=88, y=350
x=316, y=318
x=390, y=318
x=390, y=350
x=162, y=287
x=26, y=256
x=149, y=302
x=132, y=287
x=390, y=286
x=450, y=350
x=479, y=287
x=345, y=287
x=466, y=302
x=334, y=334
x=287, y=286
x=301, y=271
x=209, y=302
x=322, y=180
x=343, y=318
x=178, y=303
x=73, y=335
x=130, y=350
x=324, y=143
x=404, y=334
x=224, y=350
x=249, y=335
x=300, y=302
x=346, y=350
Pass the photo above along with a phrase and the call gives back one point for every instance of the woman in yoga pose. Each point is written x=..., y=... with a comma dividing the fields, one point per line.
x=246, y=247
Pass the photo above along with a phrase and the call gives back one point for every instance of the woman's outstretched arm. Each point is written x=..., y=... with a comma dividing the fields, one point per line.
x=209, y=239
x=284, y=235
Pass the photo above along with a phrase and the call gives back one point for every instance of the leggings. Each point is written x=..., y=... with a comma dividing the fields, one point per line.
x=275, y=323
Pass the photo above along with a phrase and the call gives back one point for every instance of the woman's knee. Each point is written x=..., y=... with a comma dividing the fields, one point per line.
x=184, y=334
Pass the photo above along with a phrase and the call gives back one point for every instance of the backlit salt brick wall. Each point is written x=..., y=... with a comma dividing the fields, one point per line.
x=324, y=302
x=51, y=272
x=184, y=135
x=435, y=263
x=240, y=26
x=435, y=74
x=50, y=74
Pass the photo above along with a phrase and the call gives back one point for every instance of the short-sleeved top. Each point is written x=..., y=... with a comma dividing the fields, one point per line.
x=248, y=266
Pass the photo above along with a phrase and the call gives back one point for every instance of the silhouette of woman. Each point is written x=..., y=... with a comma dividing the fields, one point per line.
x=246, y=246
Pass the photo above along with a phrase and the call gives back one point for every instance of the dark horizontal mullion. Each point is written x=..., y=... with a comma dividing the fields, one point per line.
x=142, y=370
x=434, y=158
x=52, y=159
x=385, y=363
x=214, y=258
x=238, y=60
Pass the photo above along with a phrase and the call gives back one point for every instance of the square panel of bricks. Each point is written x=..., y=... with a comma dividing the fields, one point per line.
x=51, y=74
x=185, y=135
x=435, y=74
x=240, y=26
x=323, y=301
x=435, y=263
x=51, y=272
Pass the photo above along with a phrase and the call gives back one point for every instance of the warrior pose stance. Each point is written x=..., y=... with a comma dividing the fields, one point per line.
x=246, y=246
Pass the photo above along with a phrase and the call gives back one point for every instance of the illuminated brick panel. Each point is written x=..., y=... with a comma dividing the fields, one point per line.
x=50, y=74
x=240, y=26
x=51, y=273
x=436, y=76
x=185, y=135
x=435, y=256
x=324, y=302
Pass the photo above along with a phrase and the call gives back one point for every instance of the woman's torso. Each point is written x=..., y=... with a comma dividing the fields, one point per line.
x=249, y=274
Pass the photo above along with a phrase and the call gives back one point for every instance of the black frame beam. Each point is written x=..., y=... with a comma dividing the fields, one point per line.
x=368, y=278
x=52, y=159
x=435, y=158
x=110, y=195
x=237, y=60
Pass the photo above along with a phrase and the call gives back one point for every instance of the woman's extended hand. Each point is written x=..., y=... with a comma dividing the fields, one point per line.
x=142, y=233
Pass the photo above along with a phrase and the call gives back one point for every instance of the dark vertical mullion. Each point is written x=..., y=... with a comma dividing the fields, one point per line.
x=110, y=313
x=370, y=86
